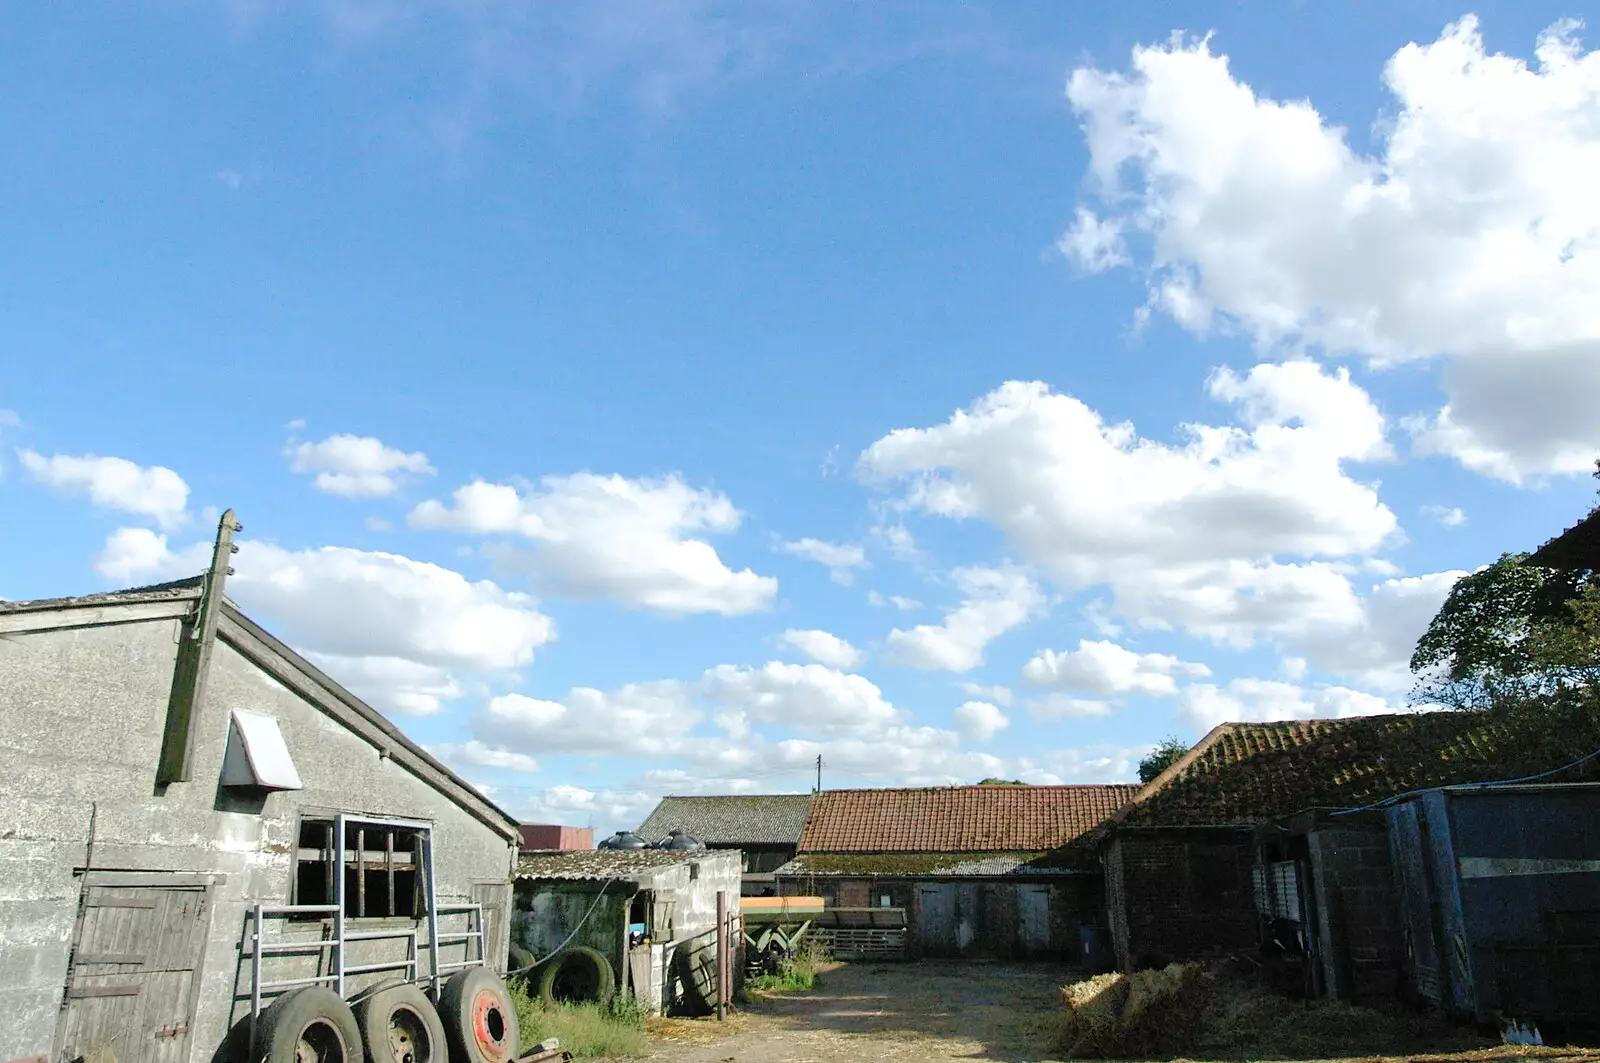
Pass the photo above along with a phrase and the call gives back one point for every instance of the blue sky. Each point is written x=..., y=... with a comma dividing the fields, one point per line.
x=644, y=398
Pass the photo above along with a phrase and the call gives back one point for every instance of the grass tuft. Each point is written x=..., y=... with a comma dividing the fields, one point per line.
x=797, y=973
x=606, y=1031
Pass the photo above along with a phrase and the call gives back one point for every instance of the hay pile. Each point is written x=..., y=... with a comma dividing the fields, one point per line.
x=1148, y=1013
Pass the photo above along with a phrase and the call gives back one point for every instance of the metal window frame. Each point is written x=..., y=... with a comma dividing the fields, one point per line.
x=334, y=946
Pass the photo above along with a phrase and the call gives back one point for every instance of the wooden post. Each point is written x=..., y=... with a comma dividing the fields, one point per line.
x=193, y=661
x=722, y=954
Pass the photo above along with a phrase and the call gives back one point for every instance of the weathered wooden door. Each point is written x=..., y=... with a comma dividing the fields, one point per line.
x=936, y=919
x=135, y=969
x=1033, y=919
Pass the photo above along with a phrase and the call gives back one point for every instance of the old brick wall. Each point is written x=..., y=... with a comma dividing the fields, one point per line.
x=1184, y=895
x=1357, y=913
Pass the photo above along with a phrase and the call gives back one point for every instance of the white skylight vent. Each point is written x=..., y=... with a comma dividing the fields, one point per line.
x=257, y=755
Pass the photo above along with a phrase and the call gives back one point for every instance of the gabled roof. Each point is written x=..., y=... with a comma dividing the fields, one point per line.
x=261, y=648
x=1247, y=773
x=957, y=819
x=751, y=819
x=1577, y=547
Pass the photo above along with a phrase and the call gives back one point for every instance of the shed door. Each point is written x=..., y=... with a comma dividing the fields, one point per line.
x=936, y=919
x=132, y=983
x=1033, y=919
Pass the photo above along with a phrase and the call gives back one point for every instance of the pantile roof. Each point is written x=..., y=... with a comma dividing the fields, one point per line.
x=921, y=865
x=1248, y=773
x=1577, y=547
x=752, y=819
x=957, y=819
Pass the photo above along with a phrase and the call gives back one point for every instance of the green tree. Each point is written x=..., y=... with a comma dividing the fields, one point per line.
x=1162, y=757
x=1508, y=630
x=992, y=781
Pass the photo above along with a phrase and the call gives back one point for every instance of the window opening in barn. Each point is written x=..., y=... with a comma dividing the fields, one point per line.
x=885, y=901
x=380, y=865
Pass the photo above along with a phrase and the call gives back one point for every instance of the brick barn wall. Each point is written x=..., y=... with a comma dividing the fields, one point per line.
x=1185, y=895
x=1358, y=916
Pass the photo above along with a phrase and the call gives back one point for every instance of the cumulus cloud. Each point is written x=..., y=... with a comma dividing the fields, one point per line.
x=153, y=491
x=804, y=697
x=642, y=719
x=995, y=600
x=357, y=466
x=1204, y=705
x=841, y=559
x=980, y=721
x=1090, y=764
x=1471, y=233
x=475, y=754
x=1100, y=667
x=395, y=629
x=1375, y=651
x=611, y=537
x=824, y=648
x=1185, y=535
x=1000, y=695
x=1449, y=516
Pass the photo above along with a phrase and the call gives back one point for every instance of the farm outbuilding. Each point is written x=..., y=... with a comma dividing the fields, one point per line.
x=1271, y=828
x=172, y=778
x=1499, y=892
x=964, y=871
x=649, y=915
x=764, y=828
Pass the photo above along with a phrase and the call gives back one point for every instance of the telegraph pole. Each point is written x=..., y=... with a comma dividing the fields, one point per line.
x=819, y=774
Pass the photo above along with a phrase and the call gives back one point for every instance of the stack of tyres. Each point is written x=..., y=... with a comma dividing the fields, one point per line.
x=473, y=1022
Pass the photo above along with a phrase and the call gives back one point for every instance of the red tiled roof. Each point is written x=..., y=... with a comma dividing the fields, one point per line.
x=957, y=819
x=1245, y=773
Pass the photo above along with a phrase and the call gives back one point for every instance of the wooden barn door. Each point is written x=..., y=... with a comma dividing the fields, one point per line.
x=936, y=919
x=135, y=969
x=1033, y=919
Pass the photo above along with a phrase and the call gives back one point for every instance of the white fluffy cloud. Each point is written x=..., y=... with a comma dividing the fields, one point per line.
x=475, y=754
x=643, y=719
x=1204, y=705
x=1091, y=764
x=611, y=537
x=995, y=600
x=841, y=559
x=1100, y=667
x=394, y=629
x=1000, y=695
x=357, y=466
x=808, y=698
x=1065, y=707
x=1471, y=233
x=153, y=491
x=980, y=721
x=1185, y=535
x=410, y=688
x=1449, y=516
x=1376, y=650
x=824, y=648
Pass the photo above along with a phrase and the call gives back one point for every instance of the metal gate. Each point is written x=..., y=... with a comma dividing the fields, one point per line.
x=134, y=976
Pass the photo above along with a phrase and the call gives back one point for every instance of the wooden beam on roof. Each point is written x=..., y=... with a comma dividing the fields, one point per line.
x=198, y=636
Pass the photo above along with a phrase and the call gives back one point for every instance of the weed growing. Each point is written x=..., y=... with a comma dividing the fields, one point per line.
x=796, y=973
x=606, y=1031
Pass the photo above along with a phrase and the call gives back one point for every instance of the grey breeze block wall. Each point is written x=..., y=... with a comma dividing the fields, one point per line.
x=81, y=718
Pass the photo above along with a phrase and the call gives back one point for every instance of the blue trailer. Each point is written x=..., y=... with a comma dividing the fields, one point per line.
x=1499, y=890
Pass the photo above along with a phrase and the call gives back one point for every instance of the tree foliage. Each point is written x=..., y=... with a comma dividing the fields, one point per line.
x=992, y=781
x=1509, y=630
x=1162, y=757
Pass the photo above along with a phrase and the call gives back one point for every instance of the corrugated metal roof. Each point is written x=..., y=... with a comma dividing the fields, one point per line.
x=958, y=819
x=1247, y=773
x=752, y=819
x=602, y=864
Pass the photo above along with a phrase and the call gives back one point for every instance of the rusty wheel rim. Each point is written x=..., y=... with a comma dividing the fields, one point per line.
x=320, y=1042
x=408, y=1037
x=489, y=1026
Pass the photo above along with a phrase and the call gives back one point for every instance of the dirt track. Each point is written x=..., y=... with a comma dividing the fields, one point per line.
x=928, y=1011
